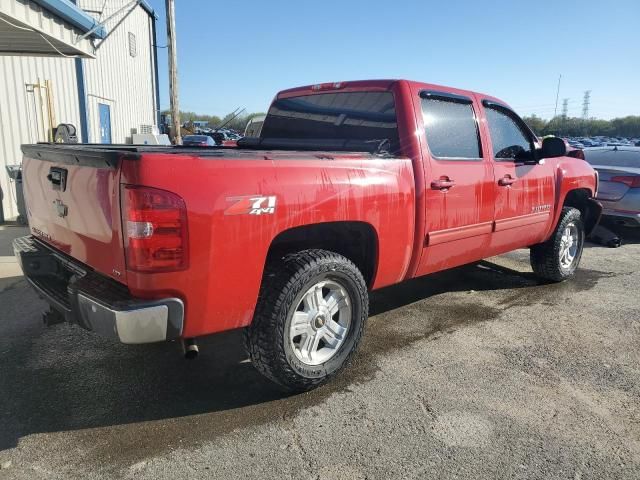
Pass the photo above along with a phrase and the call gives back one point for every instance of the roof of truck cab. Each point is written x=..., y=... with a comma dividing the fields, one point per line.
x=380, y=85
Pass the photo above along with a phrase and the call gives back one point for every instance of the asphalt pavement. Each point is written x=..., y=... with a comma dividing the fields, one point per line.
x=480, y=372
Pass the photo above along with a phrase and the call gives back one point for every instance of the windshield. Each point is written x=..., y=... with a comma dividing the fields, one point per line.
x=341, y=116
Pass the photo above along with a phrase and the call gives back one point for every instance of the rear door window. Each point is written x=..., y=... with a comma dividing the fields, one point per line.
x=450, y=127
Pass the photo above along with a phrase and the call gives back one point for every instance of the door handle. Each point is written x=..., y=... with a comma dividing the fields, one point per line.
x=444, y=183
x=506, y=181
x=58, y=178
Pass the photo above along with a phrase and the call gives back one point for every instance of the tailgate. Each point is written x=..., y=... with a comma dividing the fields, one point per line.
x=72, y=194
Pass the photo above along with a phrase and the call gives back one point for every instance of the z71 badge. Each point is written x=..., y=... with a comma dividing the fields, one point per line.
x=251, y=205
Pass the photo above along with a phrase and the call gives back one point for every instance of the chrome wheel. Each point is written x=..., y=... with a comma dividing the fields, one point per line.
x=320, y=322
x=569, y=244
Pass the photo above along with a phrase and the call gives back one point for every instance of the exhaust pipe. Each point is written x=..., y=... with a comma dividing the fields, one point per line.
x=190, y=348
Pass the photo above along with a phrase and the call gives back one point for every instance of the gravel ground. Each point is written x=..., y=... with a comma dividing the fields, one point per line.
x=474, y=373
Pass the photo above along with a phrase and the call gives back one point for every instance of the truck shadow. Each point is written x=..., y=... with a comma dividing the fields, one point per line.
x=66, y=379
x=627, y=235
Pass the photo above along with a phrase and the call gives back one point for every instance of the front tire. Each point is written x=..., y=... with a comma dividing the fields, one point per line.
x=558, y=258
x=309, y=320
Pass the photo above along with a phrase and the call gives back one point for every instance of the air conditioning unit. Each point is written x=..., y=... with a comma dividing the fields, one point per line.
x=148, y=130
x=150, y=139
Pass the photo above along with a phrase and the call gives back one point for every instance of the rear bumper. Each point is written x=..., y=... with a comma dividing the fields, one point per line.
x=624, y=211
x=95, y=302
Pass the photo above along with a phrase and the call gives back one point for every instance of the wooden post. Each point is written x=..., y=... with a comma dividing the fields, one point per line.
x=173, y=71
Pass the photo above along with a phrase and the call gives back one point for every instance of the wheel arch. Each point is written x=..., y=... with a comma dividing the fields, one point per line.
x=591, y=210
x=355, y=240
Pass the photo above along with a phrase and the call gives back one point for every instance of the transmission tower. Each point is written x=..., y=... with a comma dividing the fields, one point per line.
x=585, y=105
x=565, y=108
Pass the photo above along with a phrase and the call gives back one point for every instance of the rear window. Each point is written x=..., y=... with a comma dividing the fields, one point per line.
x=195, y=138
x=335, y=115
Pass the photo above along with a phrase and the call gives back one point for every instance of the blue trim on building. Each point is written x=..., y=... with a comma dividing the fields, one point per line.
x=149, y=9
x=82, y=101
x=68, y=11
x=155, y=64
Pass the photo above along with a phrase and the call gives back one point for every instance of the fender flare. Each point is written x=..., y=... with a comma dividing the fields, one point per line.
x=592, y=218
x=591, y=209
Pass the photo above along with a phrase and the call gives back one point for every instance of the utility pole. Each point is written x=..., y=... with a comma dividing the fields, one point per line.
x=173, y=71
x=585, y=105
x=555, y=110
x=565, y=108
x=585, y=111
x=565, y=111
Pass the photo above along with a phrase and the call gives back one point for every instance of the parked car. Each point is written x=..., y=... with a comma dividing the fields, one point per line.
x=221, y=137
x=285, y=235
x=198, y=140
x=619, y=187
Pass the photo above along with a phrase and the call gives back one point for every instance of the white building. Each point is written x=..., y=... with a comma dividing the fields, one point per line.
x=62, y=62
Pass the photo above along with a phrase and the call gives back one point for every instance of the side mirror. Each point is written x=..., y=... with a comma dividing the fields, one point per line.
x=553, y=147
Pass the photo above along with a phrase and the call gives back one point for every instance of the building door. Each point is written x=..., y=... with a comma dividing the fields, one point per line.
x=105, y=122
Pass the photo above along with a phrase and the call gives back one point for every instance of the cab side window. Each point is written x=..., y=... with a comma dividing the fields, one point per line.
x=450, y=127
x=510, y=142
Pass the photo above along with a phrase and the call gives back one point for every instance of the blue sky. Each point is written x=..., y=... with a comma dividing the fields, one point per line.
x=231, y=55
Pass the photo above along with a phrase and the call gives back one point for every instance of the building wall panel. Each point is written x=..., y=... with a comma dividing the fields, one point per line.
x=118, y=79
x=20, y=117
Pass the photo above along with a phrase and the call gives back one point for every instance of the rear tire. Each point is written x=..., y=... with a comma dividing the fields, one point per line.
x=558, y=258
x=309, y=320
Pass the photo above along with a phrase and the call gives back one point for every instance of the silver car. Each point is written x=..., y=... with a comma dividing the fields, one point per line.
x=619, y=186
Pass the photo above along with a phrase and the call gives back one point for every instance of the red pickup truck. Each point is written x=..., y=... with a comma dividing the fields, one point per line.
x=351, y=187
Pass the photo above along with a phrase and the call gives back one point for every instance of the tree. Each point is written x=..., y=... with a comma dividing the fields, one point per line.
x=535, y=123
x=573, y=126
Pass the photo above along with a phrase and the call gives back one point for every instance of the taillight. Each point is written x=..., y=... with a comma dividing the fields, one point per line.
x=631, y=181
x=155, y=229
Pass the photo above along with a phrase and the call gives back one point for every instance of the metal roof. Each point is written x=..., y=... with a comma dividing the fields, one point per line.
x=27, y=28
x=74, y=15
x=51, y=28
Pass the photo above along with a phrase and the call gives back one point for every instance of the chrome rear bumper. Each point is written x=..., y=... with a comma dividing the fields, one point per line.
x=95, y=302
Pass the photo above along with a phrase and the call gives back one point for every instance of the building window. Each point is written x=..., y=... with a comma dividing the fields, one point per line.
x=132, y=45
